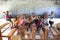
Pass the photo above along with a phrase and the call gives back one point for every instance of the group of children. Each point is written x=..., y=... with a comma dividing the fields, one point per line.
x=24, y=20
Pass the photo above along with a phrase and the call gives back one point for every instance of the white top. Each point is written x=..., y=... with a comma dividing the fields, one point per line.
x=51, y=19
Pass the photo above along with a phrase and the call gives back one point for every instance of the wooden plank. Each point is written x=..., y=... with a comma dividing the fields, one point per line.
x=41, y=35
x=11, y=33
x=0, y=35
x=5, y=29
x=33, y=33
x=3, y=25
x=15, y=37
x=54, y=34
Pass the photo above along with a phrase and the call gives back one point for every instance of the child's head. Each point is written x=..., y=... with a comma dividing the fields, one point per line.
x=33, y=14
x=24, y=15
x=7, y=12
x=21, y=16
x=52, y=12
x=45, y=16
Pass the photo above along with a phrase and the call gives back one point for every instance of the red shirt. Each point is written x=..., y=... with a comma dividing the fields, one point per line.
x=7, y=16
x=40, y=23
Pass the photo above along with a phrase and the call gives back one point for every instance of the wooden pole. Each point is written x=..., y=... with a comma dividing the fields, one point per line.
x=0, y=35
x=9, y=38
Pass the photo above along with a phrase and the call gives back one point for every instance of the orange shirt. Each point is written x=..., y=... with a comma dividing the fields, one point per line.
x=16, y=23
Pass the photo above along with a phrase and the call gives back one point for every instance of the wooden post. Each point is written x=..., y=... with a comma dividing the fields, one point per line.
x=33, y=33
x=22, y=33
x=0, y=35
x=41, y=35
x=9, y=38
x=11, y=33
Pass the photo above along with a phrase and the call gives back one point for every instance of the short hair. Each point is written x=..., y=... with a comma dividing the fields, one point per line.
x=7, y=11
x=52, y=12
x=33, y=13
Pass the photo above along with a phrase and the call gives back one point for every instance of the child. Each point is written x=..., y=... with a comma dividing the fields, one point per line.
x=45, y=21
x=52, y=15
x=27, y=23
x=21, y=23
x=51, y=19
x=39, y=24
x=8, y=17
x=16, y=23
x=32, y=25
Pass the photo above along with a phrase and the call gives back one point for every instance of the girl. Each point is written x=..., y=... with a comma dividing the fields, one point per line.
x=21, y=23
x=51, y=19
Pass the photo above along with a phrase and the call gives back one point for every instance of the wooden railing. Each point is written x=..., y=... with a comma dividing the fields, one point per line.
x=1, y=26
x=43, y=34
x=10, y=32
x=0, y=35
